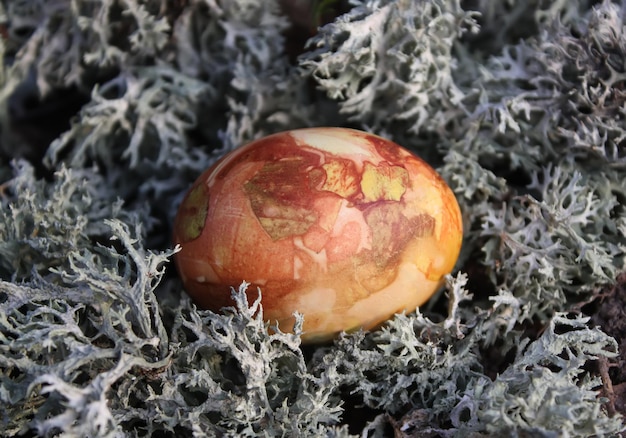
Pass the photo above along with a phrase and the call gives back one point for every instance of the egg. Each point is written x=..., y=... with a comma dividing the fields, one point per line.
x=343, y=226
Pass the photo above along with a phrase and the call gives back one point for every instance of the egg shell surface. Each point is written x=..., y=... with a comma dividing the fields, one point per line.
x=343, y=226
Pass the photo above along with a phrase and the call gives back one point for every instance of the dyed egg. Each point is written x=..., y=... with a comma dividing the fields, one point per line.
x=340, y=225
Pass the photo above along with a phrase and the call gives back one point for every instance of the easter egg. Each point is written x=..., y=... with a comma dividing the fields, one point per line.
x=343, y=226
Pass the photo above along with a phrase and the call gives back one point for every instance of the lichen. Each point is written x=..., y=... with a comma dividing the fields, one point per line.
x=110, y=109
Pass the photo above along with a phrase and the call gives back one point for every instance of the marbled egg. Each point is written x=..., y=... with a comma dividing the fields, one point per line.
x=340, y=225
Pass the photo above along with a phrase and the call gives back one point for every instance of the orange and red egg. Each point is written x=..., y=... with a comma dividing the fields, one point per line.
x=340, y=225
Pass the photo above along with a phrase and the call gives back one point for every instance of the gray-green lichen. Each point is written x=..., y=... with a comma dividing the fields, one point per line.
x=110, y=109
